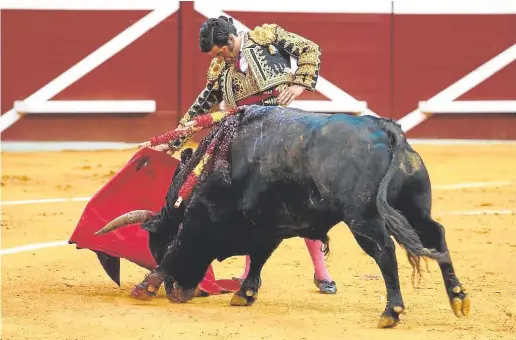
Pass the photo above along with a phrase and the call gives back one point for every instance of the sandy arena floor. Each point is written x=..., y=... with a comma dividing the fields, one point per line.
x=63, y=293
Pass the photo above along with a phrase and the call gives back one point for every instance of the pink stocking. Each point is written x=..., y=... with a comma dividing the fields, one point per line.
x=314, y=247
x=247, y=266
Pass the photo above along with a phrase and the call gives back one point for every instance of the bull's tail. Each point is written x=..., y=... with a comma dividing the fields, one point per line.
x=396, y=223
x=325, y=245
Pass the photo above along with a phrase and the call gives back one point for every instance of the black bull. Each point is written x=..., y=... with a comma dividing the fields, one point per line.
x=295, y=173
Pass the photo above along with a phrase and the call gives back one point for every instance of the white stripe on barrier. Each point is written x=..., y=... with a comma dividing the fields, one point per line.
x=370, y=6
x=455, y=7
x=469, y=106
x=8, y=119
x=100, y=5
x=481, y=142
x=291, y=6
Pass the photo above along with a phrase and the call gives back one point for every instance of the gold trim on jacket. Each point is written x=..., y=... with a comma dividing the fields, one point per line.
x=269, y=68
x=307, y=52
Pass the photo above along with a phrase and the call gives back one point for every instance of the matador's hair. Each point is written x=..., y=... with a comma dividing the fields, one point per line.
x=215, y=31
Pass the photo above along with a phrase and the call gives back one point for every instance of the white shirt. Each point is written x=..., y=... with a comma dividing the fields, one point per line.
x=243, y=60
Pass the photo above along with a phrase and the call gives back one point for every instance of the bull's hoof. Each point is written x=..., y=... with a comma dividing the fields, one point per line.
x=390, y=318
x=244, y=297
x=148, y=288
x=200, y=293
x=325, y=286
x=141, y=293
x=460, y=302
x=180, y=295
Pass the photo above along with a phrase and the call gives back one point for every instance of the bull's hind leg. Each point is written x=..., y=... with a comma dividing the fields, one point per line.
x=373, y=238
x=248, y=292
x=415, y=201
x=432, y=236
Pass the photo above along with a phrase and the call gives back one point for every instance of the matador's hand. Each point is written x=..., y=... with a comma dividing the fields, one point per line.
x=288, y=95
x=144, y=145
x=161, y=147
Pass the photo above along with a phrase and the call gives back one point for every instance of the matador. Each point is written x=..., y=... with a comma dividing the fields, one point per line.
x=265, y=66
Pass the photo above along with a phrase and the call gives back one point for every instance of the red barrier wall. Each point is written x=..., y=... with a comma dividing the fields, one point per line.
x=390, y=61
x=35, y=54
x=431, y=52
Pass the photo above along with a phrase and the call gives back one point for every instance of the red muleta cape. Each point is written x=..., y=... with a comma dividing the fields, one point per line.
x=141, y=184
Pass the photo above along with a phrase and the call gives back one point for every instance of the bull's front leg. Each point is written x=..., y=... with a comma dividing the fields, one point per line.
x=149, y=287
x=248, y=292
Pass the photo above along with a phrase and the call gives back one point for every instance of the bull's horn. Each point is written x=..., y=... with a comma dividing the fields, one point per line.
x=135, y=216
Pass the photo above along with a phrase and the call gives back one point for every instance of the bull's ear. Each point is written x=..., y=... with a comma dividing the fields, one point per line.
x=186, y=154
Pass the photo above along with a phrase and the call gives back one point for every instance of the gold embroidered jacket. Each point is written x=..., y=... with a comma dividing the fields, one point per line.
x=267, y=50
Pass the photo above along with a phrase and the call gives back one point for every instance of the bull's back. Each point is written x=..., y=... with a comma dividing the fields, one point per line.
x=298, y=167
x=281, y=141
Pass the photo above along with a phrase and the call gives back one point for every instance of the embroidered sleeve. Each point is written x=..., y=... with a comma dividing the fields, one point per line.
x=308, y=56
x=308, y=53
x=205, y=101
x=211, y=95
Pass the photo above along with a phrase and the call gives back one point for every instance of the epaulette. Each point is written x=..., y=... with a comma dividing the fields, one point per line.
x=264, y=35
x=215, y=70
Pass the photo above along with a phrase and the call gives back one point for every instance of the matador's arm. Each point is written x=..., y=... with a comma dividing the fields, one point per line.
x=205, y=101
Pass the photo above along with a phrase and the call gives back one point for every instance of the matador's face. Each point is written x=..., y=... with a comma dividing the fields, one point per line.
x=226, y=52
